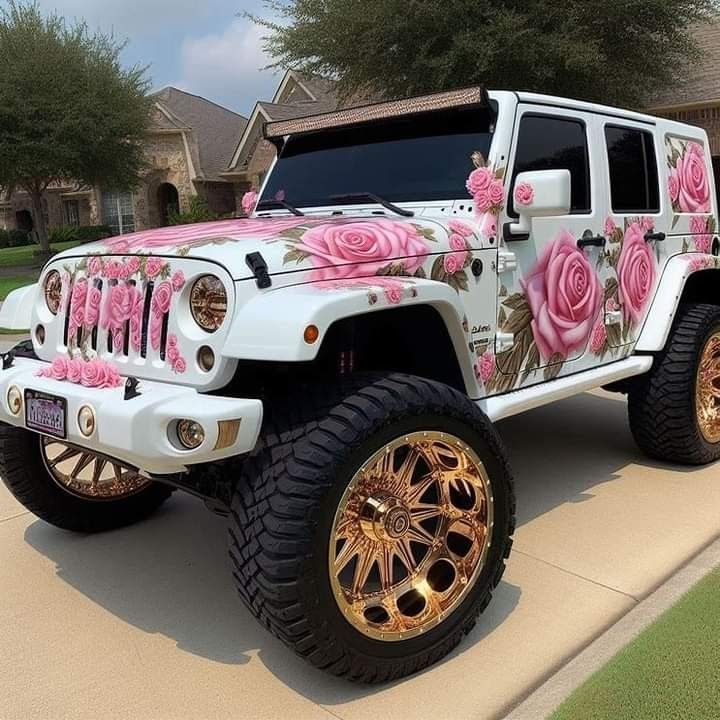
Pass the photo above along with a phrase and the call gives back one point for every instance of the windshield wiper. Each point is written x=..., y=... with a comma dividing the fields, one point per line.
x=274, y=204
x=350, y=197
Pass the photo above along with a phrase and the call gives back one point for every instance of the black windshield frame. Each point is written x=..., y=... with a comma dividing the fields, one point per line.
x=420, y=158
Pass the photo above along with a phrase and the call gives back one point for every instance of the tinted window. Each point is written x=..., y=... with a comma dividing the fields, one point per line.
x=413, y=158
x=550, y=143
x=633, y=170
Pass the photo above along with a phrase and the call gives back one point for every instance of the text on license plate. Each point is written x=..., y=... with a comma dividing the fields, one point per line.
x=45, y=413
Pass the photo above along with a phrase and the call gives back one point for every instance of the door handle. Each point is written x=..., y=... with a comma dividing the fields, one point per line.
x=654, y=236
x=591, y=241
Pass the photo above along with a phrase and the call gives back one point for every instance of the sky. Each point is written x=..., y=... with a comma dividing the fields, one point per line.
x=202, y=47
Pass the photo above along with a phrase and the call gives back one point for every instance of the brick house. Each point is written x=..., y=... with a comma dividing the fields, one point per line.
x=190, y=142
x=296, y=96
x=696, y=100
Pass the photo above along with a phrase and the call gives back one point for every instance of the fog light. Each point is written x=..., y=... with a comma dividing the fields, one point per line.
x=40, y=334
x=190, y=434
x=206, y=358
x=86, y=420
x=14, y=400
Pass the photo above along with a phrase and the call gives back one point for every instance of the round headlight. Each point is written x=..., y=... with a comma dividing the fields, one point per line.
x=208, y=302
x=53, y=291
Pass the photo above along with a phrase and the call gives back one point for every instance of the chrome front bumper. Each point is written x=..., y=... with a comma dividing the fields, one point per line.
x=140, y=431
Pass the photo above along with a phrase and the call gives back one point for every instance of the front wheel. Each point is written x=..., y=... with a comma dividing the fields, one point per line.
x=369, y=529
x=73, y=488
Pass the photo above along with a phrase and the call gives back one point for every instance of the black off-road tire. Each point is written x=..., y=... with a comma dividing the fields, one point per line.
x=287, y=496
x=662, y=404
x=25, y=475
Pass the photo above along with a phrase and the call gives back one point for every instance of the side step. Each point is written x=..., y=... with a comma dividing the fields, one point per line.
x=513, y=403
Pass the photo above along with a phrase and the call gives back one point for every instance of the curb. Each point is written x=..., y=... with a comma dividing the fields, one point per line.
x=552, y=693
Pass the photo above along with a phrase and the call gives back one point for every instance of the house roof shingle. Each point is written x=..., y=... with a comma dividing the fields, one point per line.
x=703, y=83
x=215, y=128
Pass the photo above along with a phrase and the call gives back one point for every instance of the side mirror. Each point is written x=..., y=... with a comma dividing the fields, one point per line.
x=543, y=193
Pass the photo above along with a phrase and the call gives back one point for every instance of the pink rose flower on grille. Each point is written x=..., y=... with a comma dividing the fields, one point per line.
x=156, y=323
x=636, y=270
x=524, y=194
x=77, y=304
x=249, y=201
x=118, y=306
x=172, y=353
x=132, y=264
x=59, y=367
x=99, y=374
x=461, y=228
x=179, y=366
x=458, y=242
x=92, y=307
x=162, y=297
x=172, y=340
x=598, y=338
x=454, y=262
x=565, y=297
x=479, y=181
x=178, y=280
x=698, y=227
x=113, y=269
x=362, y=248
x=154, y=266
x=485, y=368
x=694, y=192
x=94, y=266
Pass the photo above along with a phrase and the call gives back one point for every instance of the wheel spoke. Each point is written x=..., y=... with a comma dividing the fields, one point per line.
x=363, y=565
x=97, y=470
x=349, y=550
x=422, y=512
x=66, y=454
x=417, y=533
x=82, y=463
x=385, y=560
x=417, y=490
x=404, y=552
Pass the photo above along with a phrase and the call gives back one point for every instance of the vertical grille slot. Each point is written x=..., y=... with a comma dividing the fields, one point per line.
x=66, y=329
x=163, y=335
x=146, y=319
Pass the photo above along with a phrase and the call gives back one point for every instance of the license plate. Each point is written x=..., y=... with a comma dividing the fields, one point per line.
x=45, y=413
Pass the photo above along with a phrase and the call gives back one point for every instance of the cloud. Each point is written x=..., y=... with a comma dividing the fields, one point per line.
x=226, y=66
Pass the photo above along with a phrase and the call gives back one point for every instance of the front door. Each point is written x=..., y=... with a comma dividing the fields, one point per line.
x=550, y=294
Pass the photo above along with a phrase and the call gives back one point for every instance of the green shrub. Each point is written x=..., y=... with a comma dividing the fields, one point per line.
x=81, y=233
x=18, y=238
x=63, y=233
x=197, y=212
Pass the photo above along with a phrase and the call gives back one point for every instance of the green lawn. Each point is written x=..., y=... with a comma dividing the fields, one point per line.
x=18, y=256
x=8, y=284
x=672, y=670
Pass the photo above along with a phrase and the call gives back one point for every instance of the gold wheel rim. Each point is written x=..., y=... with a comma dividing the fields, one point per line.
x=410, y=535
x=87, y=474
x=707, y=390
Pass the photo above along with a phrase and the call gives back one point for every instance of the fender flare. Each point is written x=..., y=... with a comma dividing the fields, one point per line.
x=678, y=270
x=270, y=326
x=17, y=308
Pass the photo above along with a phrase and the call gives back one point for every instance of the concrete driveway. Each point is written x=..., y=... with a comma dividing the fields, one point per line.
x=144, y=622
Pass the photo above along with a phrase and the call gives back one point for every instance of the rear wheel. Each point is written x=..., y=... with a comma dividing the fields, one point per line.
x=71, y=487
x=674, y=410
x=369, y=530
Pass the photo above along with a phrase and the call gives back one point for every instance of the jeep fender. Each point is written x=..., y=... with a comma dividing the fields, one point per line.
x=16, y=312
x=667, y=298
x=271, y=325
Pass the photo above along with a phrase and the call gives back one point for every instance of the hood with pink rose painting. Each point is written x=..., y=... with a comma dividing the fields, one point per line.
x=328, y=247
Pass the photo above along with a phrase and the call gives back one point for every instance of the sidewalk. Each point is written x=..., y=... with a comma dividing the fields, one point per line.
x=144, y=622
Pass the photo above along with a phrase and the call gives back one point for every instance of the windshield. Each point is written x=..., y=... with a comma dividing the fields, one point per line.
x=420, y=158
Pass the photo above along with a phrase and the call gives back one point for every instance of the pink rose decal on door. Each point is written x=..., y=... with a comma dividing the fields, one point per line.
x=688, y=178
x=636, y=270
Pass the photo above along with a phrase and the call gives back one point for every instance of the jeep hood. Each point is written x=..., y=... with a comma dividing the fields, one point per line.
x=330, y=246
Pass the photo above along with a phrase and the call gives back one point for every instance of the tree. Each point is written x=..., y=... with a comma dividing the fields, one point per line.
x=612, y=51
x=68, y=110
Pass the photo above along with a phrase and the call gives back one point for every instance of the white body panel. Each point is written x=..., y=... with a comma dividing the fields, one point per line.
x=17, y=308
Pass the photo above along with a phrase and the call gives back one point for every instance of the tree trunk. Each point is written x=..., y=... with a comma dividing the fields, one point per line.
x=39, y=223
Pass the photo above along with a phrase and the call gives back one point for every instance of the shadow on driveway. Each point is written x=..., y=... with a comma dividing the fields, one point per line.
x=170, y=574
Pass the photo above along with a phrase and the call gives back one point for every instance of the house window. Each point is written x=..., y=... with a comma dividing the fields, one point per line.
x=633, y=170
x=118, y=212
x=71, y=210
x=554, y=143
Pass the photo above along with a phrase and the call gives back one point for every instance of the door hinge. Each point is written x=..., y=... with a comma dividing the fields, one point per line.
x=506, y=261
x=504, y=342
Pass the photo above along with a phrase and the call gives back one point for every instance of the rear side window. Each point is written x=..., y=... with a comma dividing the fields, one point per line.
x=633, y=170
x=553, y=143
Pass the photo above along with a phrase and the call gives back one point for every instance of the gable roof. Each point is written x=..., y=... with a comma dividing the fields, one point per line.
x=702, y=85
x=215, y=129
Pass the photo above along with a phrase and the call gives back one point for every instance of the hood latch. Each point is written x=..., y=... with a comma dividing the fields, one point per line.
x=256, y=262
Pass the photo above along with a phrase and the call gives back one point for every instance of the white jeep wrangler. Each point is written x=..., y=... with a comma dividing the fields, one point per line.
x=327, y=372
